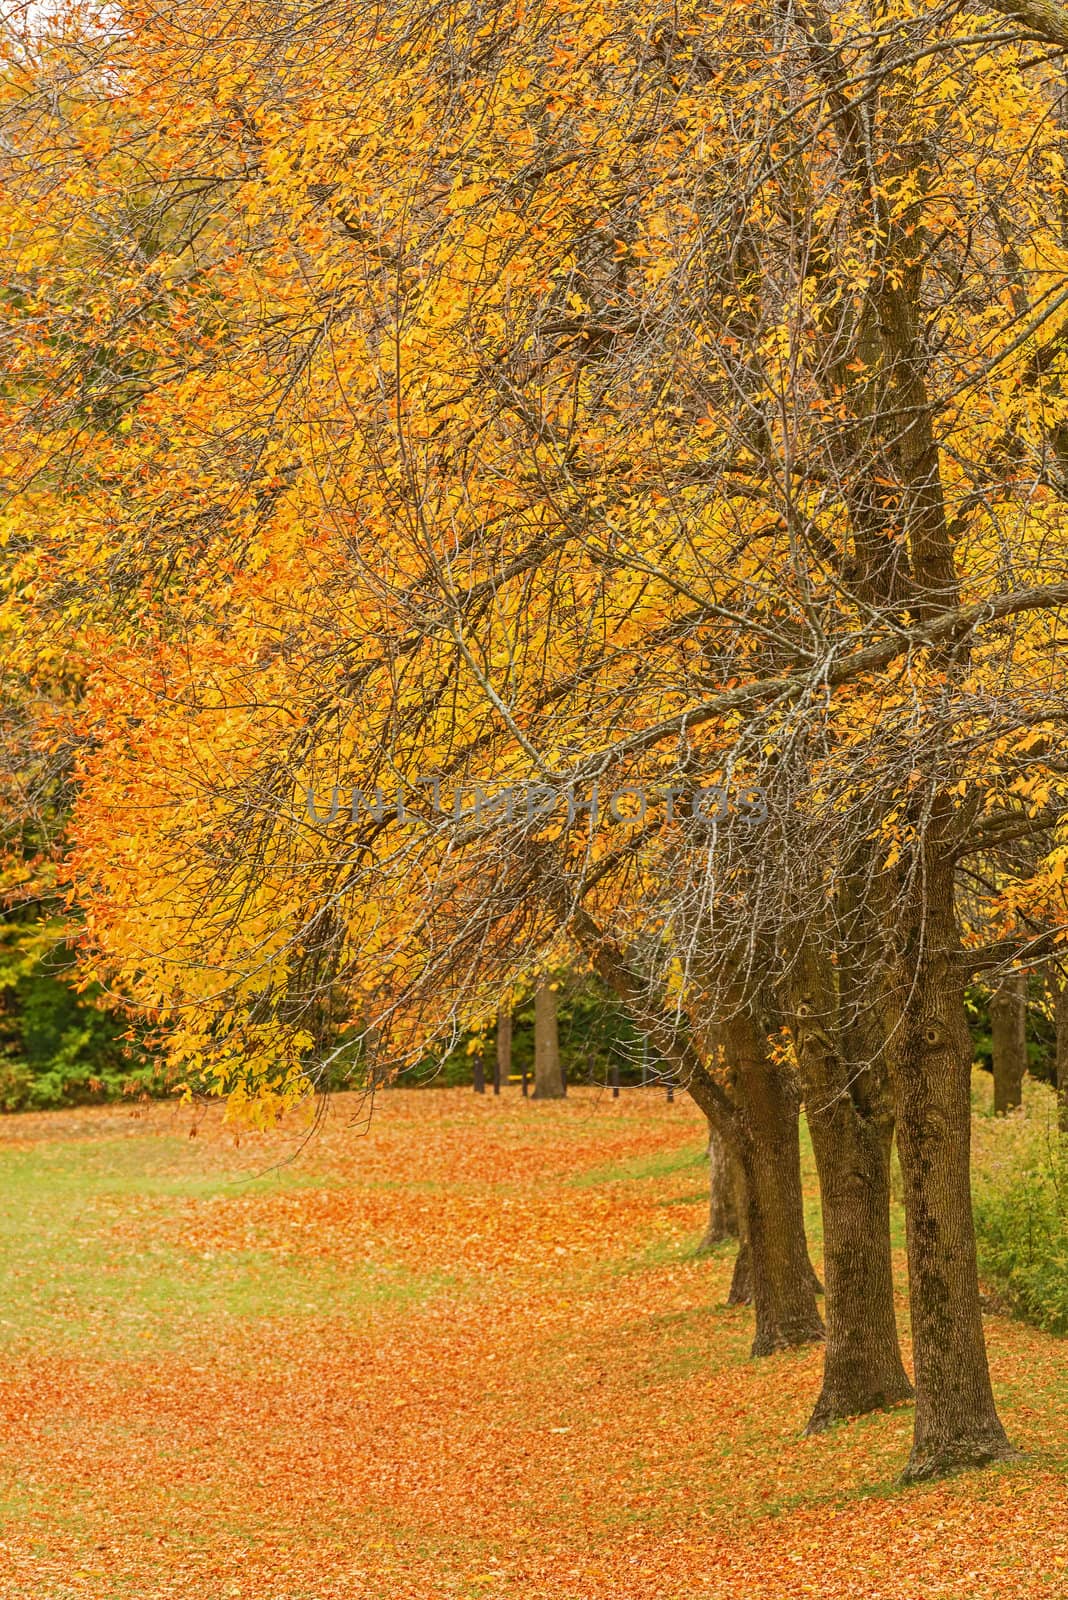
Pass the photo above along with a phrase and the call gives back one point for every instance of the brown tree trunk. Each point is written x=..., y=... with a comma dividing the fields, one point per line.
x=722, y=1206
x=740, y=1292
x=863, y=1370
x=850, y=1122
x=548, y=1079
x=1062, y=1055
x=376, y=1075
x=504, y=1046
x=851, y=1136
x=760, y=1121
x=769, y=1153
x=956, y=1423
x=1008, y=1031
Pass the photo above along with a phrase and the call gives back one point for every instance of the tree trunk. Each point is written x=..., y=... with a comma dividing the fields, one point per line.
x=548, y=1079
x=851, y=1127
x=722, y=1207
x=956, y=1423
x=504, y=1047
x=863, y=1370
x=773, y=1226
x=1008, y=1029
x=740, y=1292
x=1062, y=1055
x=760, y=1121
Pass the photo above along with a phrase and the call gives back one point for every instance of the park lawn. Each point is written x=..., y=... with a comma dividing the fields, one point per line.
x=460, y=1348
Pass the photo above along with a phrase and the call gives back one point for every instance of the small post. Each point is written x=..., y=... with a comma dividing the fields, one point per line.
x=479, y=1074
x=496, y=1074
x=645, y=1061
x=670, y=1090
x=524, y=1083
x=615, y=1079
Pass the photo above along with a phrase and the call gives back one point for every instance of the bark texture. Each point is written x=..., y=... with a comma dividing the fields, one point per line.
x=1062, y=1056
x=740, y=1292
x=851, y=1126
x=757, y=1114
x=722, y=1205
x=548, y=1078
x=1047, y=18
x=956, y=1422
x=504, y=1047
x=768, y=1141
x=1008, y=1031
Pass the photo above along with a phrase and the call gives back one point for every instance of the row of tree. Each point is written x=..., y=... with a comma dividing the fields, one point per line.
x=622, y=448
x=1000, y=1031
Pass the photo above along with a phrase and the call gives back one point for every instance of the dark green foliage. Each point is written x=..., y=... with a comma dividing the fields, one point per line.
x=58, y=1046
x=594, y=1034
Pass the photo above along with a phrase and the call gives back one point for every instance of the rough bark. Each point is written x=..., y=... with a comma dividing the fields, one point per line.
x=1008, y=1030
x=1062, y=1055
x=758, y=1116
x=504, y=1048
x=768, y=1142
x=851, y=1126
x=1047, y=18
x=722, y=1206
x=956, y=1422
x=548, y=1079
x=740, y=1292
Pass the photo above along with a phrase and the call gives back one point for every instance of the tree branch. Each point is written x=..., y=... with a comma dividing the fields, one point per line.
x=1046, y=18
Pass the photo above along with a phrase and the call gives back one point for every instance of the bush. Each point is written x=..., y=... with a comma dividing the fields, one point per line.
x=1020, y=1185
x=59, y=1046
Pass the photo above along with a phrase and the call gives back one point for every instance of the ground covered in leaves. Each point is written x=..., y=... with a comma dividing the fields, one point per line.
x=461, y=1349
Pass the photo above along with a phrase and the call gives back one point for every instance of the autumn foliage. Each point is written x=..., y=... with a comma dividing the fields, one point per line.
x=404, y=400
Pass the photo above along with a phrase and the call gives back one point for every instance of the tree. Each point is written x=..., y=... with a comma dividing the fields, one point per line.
x=660, y=400
x=548, y=1076
x=722, y=1193
x=503, y=1058
x=843, y=1075
x=1062, y=1055
x=1008, y=1022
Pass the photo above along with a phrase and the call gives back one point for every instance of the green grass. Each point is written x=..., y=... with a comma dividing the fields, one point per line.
x=640, y=1169
x=1020, y=1188
x=67, y=1278
x=575, y=1402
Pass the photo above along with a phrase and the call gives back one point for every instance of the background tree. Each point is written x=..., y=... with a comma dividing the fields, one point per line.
x=548, y=1073
x=1008, y=1020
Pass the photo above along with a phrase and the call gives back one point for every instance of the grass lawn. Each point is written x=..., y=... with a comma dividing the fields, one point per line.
x=460, y=1350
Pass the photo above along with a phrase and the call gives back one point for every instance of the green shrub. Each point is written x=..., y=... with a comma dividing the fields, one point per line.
x=1020, y=1188
x=16, y=1085
x=58, y=1045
